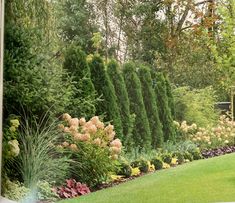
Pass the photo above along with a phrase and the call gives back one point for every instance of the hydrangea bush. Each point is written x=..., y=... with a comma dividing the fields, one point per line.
x=219, y=135
x=92, y=147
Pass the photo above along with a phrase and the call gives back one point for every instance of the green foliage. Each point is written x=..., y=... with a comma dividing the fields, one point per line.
x=45, y=191
x=163, y=106
x=14, y=190
x=32, y=82
x=141, y=132
x=105, y=89
x=124, y=169
x=196, y=154
x=170, y=97
x=195, y=106
x=92, y=164
x=143, y=165
x=151, y=106
x=83, y=103
x=117, y=79
x=188, y=155
x=75, y=17
x=38, y=158
x=166, y=158
x=157, y=162
x=179, y=156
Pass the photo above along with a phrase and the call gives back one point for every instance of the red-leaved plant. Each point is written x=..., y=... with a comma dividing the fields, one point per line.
x=72, y=189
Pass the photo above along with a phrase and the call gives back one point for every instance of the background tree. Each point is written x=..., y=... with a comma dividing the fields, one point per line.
x=84, y=101
x=117, y=79
x=76, y=22
x=104, y=88
x=141, y=131
x=151, y=106
x=163, y=106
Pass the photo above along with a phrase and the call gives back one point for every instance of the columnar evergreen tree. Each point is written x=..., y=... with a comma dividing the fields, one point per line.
x=170, y=97
x=151, y=106
x=117, y=79
x=141, y=131
x=164, y=110
x=105, y=89
x=84, y=101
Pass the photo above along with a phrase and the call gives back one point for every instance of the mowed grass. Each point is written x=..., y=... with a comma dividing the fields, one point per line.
x=211, y=180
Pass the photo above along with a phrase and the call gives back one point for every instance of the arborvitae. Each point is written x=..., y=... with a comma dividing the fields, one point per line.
x=105, y=89
x=84, y=100
x=164, y=110
x=141, y=131
x=170, y=97
x=117, y=79
x=151, y=106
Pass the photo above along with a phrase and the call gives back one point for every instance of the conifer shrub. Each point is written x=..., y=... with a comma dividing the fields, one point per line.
x=151, y=106
x=159, y=83
x=117, y=79
x=105, y=89
x=170, y=97
x=84, y=101
x=141, y=132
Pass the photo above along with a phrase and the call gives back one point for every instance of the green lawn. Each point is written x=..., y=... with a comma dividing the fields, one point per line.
x=211, y=180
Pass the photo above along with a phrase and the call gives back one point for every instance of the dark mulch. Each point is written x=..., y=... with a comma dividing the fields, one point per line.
x=208, y=153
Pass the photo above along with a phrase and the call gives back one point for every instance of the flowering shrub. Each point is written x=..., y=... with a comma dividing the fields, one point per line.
x=92, y=146
x=10, y=143
x=220, y=135
x=72, y=189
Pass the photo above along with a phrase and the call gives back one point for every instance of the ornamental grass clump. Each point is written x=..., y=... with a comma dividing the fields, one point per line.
x=91, y=146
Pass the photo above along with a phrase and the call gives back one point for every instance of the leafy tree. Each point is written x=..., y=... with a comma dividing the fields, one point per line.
x=105, y=89
x=163, y=106
x=117, y=79
x=84, y=101
x=141, y=131
x=75, y=22
x=151, y=106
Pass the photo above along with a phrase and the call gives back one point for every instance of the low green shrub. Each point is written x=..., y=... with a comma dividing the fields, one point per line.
x=15, y=190
x=179, y=156
x=196, y=153
x=45, y=192
x=124, y=169
x=157, y=162
x=188, y=155
x=166, y=158
x=143, y=165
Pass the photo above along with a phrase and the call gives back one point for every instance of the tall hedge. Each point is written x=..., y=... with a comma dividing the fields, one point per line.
x=104, y=87
x=151, y=106
x=160, y=88
x=171, y=102
x=141, y=131
x=117, y=79
x=84, y=101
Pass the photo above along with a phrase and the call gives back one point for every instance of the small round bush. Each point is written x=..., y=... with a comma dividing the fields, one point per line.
x=143, y=166
x=167, y=158
x=179, y=156
x=188, y=156
x=196, y=154
x=124, y=170
x=157, y=162
x=135, y=163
